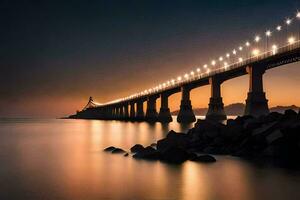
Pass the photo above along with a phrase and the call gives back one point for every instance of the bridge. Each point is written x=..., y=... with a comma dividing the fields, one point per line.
x=274, y=48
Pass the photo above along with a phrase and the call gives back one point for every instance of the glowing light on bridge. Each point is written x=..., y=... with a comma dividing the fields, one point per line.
x=247, y=44
x=179, y=78
x=268, y=33
x=213, y=62
x=291, y=40
x=205, y=66
x=255, y=52
x=192, y=73
x=274, y=48
x=288, y=21
x=278, y=28
x=298, y=15
x=240, y=48
x=221, y=58
x=257, y=38
x=227, y=55
x=240, y=59
x=234, y=52
x=186, y=76
x=198, y=70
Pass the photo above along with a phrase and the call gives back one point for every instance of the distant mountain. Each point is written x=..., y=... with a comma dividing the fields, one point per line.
x=238, y=109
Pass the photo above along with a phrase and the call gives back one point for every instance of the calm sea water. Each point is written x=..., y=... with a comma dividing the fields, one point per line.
x=63, y=159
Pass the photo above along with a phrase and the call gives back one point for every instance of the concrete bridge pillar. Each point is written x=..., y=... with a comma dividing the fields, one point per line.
x=256, y=103
x=216, y=106
x=132, y=110
x=126, y=111
x=121, y=112
x=151, y=113
x=164, y=115
x=186, y=114
x=140, y=110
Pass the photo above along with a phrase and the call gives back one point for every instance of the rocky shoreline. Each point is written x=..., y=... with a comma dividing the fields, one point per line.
x=274, y=138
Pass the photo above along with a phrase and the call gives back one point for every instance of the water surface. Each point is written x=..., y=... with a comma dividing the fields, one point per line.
x=63, y=159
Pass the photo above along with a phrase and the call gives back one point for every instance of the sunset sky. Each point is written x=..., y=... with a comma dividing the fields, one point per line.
x=54, y=55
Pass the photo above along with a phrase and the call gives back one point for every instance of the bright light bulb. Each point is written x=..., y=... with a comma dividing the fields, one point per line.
x=240, y=59
x=213, y=62
x=288, y=21
x=247, y=44
x=278, y=28
x=179, y=78
x=221, y=58
x=255, y=52
x=234, y=52
x=225, y=65
x=208, y=70
x=198, y=69
x=298, y=15
x=268, y=33
x=257, y=38
x=205, y=66
x=186, y=76
x=274, y=48
x=192, y=73
x=240, y=48
x=291, y=40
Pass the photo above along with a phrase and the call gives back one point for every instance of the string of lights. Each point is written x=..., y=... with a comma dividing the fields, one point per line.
x=234, y=58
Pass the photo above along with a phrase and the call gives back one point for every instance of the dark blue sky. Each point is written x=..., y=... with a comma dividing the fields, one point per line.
x=58, y=50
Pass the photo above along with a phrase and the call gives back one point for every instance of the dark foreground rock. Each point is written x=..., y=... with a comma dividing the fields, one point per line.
x=137, y=148
x=118, y=150
x=274, y=138
x=109, y=149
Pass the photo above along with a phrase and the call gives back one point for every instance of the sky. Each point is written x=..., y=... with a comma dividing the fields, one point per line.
x=54, y=55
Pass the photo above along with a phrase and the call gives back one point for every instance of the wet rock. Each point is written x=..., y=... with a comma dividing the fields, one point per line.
x=148, y=153
x=118, y=150
x=290, y=113
x=205, y=159
x=109, y=149
x=137, y=148
x=174, y=154
x=208, y=128
x=173, y=139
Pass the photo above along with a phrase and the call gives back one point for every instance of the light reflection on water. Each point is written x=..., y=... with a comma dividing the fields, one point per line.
x=63, y=159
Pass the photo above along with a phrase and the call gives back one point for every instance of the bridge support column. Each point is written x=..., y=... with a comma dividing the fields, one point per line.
x=126, y=111
x=121, y=112
x=216, y=106
x=256, y=103
x=132, y=111
x=140, y=110
x=186, y=114
x=164, y=115
x=151, y=113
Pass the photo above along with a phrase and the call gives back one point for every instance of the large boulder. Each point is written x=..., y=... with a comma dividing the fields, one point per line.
x=148, y=153
x=175, y=154
x=208, y=128
x=137, y=148
x=173, y=139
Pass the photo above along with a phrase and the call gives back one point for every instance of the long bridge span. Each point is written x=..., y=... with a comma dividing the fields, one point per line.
x=274, y=48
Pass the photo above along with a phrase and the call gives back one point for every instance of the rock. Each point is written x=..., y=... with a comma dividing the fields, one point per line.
x=118, y=150
x=110, y=149
x=126, y=154
x=153, y=145
x=274, y=136
x=290, y=113
x=137, y=148
x=205, y=159
x=173, y=139
x=208, y=128
x=174, y=154
x=147, y=153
